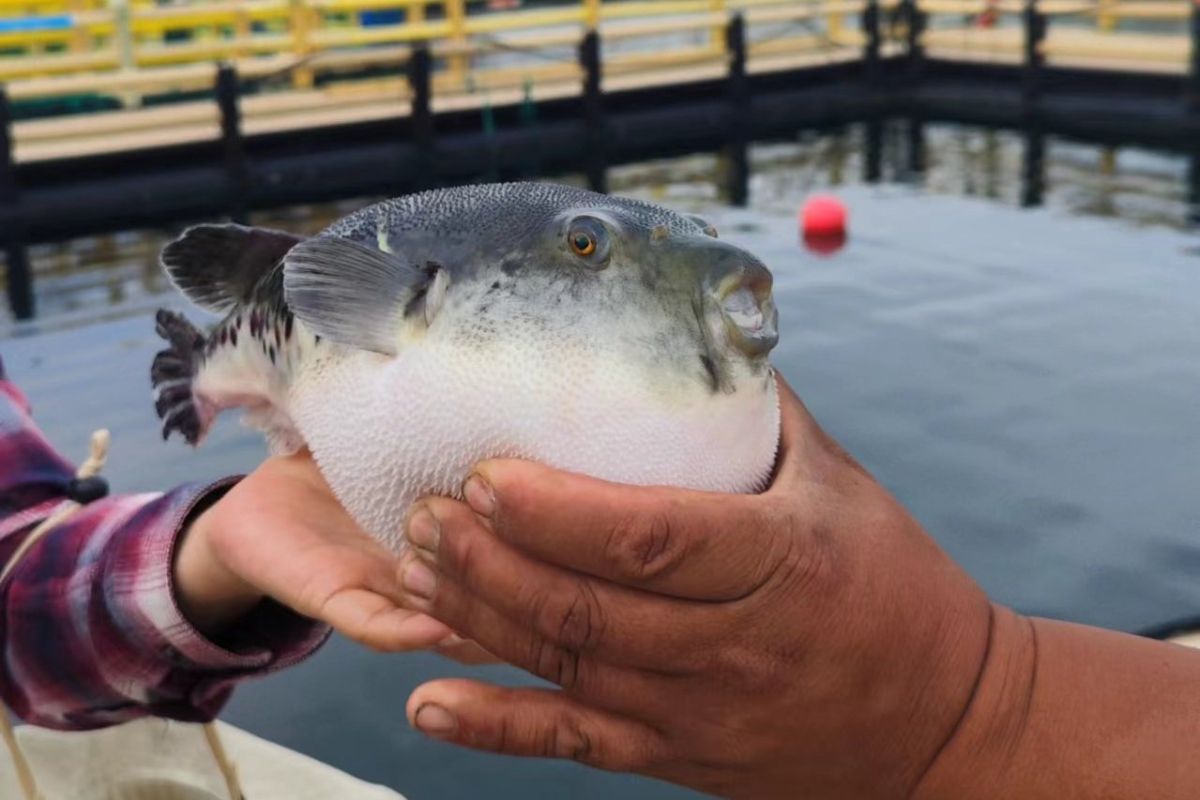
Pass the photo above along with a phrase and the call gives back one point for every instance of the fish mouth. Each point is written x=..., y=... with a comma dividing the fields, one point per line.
x=743, y=297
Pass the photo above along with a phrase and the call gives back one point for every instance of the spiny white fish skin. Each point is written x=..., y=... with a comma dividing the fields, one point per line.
x=387, y=431
x=628, y=373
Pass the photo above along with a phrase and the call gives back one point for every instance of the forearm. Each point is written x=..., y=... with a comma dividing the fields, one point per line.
x=92, y=633
x=1067, y=711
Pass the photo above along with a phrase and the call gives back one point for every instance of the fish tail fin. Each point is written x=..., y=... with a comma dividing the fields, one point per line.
x=172, y=374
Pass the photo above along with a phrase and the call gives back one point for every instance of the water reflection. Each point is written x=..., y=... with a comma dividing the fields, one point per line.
x=100, y=275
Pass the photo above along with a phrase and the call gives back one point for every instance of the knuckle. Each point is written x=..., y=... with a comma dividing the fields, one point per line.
x=575, y=736
x=571, y=616
x=553, y=663
x=571, y=739
x=580, y=622
x=646, y=545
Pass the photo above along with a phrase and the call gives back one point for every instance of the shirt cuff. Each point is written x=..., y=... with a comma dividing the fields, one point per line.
x=140, y=577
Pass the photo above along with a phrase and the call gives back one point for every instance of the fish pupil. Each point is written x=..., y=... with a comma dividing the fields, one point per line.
x=583, y=244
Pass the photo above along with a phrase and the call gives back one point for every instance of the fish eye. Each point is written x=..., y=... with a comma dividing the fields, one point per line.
x=582, y=243
x=588, y=239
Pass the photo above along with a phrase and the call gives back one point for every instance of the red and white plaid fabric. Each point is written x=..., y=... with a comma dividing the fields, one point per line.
x=90, y=633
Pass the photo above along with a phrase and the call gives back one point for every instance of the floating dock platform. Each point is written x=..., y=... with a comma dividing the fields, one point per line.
x=123, y=115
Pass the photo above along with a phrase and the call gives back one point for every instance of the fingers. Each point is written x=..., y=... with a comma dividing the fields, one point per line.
x=532, y=722
x=465, y=651
x=607, y=685
x=378, y=623
x=699, y=545
x=576, y=613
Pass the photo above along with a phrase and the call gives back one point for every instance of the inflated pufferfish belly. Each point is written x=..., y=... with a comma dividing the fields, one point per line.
x=421, y=335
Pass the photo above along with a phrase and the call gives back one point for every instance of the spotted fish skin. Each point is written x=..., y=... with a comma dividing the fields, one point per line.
x=419, y=335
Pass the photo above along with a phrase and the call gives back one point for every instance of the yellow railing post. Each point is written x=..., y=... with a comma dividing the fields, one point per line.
x=591, y=14
x=1106, y=15
x=123, y=33
x=301, y=22
x=456, y=17
x=716, y=34
x=242, y=30
x=80, y=36
x=833, y=24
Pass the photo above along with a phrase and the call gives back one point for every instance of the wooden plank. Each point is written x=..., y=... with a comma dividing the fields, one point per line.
x=1127, y=47
x=483, y=80
x=807, y=43
x=981, y=40
x=511, y=20
x=364, y=5
x=12, y=67
x=382, y=34
x=531, y=42
x=113, y=122
x=209, y=49
x=803, y=11
x=468, y=102
x=625, y=29
x=759, y=65
x=145, y=81
x=327, y=117
x=1011, y=8
x=137, y=140
x=648, y=8
x=1152, y=10
x=657, y=61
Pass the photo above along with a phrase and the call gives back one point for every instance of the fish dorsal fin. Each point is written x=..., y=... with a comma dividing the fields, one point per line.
x=352, y=293
x=218, y=266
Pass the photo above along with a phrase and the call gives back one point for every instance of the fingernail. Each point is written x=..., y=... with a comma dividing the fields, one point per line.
x=479, y=495
x=453, y=640
x=423, y=530
x=434, y=720
x=419, y=579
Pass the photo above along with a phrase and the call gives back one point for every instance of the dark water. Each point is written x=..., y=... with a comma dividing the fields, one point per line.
x=1026, y=381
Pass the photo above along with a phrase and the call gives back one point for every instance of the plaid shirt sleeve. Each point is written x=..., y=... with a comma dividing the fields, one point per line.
x=90, y=633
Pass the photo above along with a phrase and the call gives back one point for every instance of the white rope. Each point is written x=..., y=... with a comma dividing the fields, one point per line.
x=90, y=468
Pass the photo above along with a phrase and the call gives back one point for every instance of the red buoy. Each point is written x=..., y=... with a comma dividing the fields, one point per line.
x=823, y=224
x=825, y=244
x=823, y=215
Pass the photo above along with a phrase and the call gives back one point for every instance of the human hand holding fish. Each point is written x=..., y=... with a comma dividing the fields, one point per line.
x=811, y=640
x=280, y=533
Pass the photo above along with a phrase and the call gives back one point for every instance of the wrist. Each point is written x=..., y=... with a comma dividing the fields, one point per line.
x=210, y=595
x=975, y=758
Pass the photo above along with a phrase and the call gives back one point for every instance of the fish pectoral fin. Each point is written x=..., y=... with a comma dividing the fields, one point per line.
x=355, y=294
x=218, y=266
x=173, y=375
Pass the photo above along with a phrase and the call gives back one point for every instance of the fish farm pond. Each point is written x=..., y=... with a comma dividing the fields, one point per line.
x=1024, y=379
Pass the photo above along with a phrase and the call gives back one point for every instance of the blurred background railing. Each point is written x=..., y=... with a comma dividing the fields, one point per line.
x=138, y=74
x=89, y=76
x=94, y=90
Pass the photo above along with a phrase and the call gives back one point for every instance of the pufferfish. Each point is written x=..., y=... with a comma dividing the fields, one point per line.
x=420, y=335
